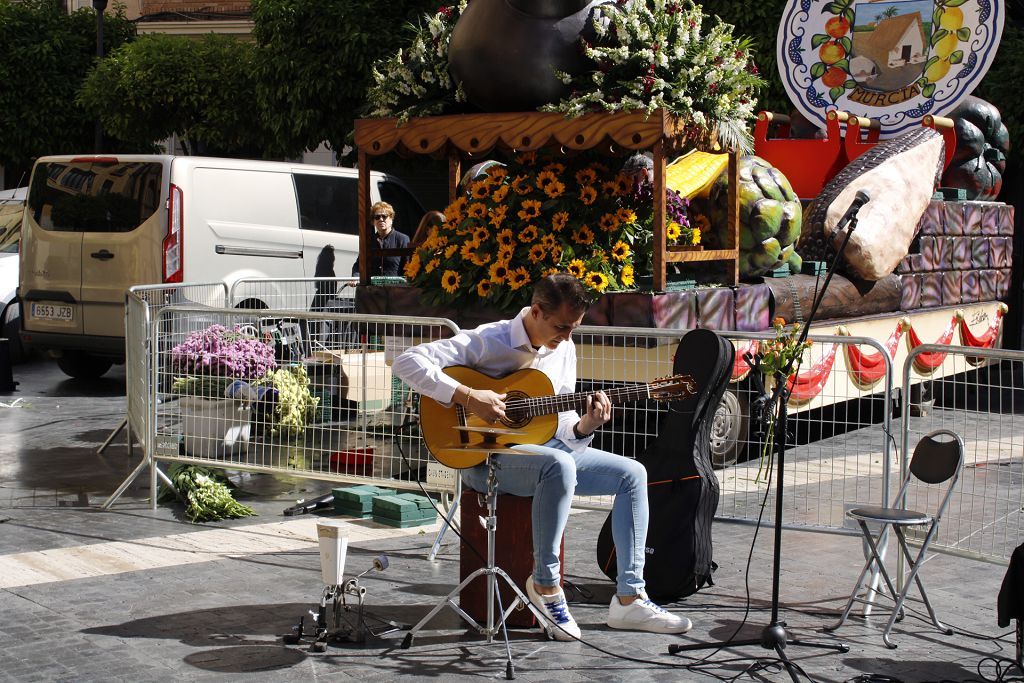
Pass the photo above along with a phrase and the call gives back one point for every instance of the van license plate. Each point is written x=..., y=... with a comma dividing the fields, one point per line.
x=53, y=312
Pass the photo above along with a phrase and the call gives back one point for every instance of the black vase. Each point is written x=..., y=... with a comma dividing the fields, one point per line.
x=504, y=52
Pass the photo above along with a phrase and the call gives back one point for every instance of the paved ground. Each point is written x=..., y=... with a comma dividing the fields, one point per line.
x=137, y=595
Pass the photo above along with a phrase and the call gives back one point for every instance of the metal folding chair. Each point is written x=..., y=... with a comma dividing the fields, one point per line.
x=934, y=463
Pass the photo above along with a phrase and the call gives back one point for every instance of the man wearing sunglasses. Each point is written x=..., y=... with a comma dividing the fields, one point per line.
x=382, y=215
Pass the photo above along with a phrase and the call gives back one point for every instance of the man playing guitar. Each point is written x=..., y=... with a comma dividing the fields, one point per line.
x=539, y=337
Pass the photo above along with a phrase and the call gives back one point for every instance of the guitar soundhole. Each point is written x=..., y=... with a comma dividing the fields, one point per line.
x=515, y=417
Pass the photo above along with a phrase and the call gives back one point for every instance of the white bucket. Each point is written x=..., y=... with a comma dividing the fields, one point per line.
x=333, y=548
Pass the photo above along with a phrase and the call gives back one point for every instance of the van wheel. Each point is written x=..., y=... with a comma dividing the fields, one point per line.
x=251, y=305
x=82, y=365
x=11, y=330
x=729, y=429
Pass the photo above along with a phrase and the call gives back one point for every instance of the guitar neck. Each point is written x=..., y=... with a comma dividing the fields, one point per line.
x=546, y=405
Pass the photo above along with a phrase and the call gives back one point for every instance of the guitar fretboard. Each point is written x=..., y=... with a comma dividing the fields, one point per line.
x=520, y=408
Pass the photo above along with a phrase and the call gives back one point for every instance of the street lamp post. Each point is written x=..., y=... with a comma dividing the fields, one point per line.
x=100, y=6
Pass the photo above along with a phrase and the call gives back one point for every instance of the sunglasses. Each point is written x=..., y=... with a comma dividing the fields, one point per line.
x=381, y=217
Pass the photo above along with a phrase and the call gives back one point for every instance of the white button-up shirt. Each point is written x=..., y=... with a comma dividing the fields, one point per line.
x=495, y=349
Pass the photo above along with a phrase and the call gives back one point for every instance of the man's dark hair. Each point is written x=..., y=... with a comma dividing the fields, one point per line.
x=560, y=289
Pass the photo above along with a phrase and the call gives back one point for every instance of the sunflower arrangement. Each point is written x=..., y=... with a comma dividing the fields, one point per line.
x=537, y=215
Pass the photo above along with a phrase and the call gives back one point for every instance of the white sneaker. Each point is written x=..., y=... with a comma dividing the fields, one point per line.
x=644, y=615
x=559, y=625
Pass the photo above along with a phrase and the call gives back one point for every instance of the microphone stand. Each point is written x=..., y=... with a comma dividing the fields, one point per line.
x=774, y=636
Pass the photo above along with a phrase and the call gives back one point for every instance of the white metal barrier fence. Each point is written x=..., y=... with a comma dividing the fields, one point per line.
x=838, y=453
x=142, y=305
x=324, y=406
x=980, y=397
x=319, y=294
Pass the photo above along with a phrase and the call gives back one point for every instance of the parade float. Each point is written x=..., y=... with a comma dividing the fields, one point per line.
x=730, y=222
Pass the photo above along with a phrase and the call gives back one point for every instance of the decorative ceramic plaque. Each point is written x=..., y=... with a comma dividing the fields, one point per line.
x=891, y=60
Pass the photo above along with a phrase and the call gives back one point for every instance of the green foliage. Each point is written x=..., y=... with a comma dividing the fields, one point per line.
x=159, y=85
x=206, y=493
x=760, y=22
x=315, y=59
x=44, y=59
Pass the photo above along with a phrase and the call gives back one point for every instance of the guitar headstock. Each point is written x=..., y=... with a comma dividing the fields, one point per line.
x=673, y=388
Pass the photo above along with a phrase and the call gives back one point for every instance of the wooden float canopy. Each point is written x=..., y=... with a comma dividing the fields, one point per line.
x=464, y=137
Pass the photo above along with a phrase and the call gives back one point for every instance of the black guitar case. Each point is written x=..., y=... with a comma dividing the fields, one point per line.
x=681, y=486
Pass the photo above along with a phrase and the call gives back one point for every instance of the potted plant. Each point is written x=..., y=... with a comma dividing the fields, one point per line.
x=216, y=372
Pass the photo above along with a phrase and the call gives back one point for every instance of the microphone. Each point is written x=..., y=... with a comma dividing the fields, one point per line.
x=859, y=200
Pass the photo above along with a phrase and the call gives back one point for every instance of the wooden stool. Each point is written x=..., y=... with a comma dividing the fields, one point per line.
x=513, y=553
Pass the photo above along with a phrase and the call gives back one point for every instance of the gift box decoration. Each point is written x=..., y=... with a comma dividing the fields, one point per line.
x=753, y=308
x=954, y=218
x=910, y=292
x=933, y=218
x=1004, y=219
x=961, y=253
x=970, y=287
x=716, y=309
x=951, y=281
x=1002, y=252
x=931, y=290
x=974, y=212
x=1004, y=276
x=981, y=250
x=988, y=284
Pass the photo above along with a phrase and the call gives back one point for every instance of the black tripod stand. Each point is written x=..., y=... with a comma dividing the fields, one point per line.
x=774, y=636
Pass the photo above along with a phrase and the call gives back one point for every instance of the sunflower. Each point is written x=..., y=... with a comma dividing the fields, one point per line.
x=450, y=281
x=548, y=240
x=626, y=215
x=530, y=210
x=620, y=252
x=608, y=222
x=498, y=215
x=559, y=220
x=555, y=167
x=527, y=158
x=550, y=271
x=480, y=258
x=505, y=253
x=528, y=234
x=477, y=210
x=468, y=250
x=583, y=236
x=453, y=212
x=627, y=276
x=521, y=185
x=479, y=189
x=596, y=280
x=432, y=265
x=598, y=254
x=498, y=272
x=545, y=178
x=506, y=238
x=481, y=234
x=483, y=288
x=576, y=268
x=517, y=278
x=554, y=190
x=696, y=235
x=610, y=188
x=499, y=195
x=497, y=174
x=451, y=250
x=623, y=184
x=555, y=253
x=586, y=176
x=412, y=268
x=537, y=253
x=588, y=194
x=673, y=231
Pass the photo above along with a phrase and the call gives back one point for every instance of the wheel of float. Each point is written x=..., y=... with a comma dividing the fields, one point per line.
x=729, y=428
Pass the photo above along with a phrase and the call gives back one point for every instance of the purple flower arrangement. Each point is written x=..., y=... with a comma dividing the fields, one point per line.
x=219, y=351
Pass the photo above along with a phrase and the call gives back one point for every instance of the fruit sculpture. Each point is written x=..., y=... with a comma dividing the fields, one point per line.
x=982, y=144
x=770, y=217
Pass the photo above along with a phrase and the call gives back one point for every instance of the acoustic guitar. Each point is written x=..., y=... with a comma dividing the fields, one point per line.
x=460, y=439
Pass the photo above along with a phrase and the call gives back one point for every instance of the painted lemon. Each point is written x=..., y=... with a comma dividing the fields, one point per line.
x=945, y=47
x=937, y=70
x=951, y=18
x=831, y=52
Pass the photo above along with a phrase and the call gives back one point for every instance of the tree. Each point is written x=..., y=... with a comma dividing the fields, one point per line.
x=314, y=59
x=199, y=89
x=45, y=57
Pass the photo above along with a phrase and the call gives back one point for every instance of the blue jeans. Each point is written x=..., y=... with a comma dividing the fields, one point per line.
x=552, y=474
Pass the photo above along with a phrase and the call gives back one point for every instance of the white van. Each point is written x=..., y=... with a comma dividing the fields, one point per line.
x=96, y=225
